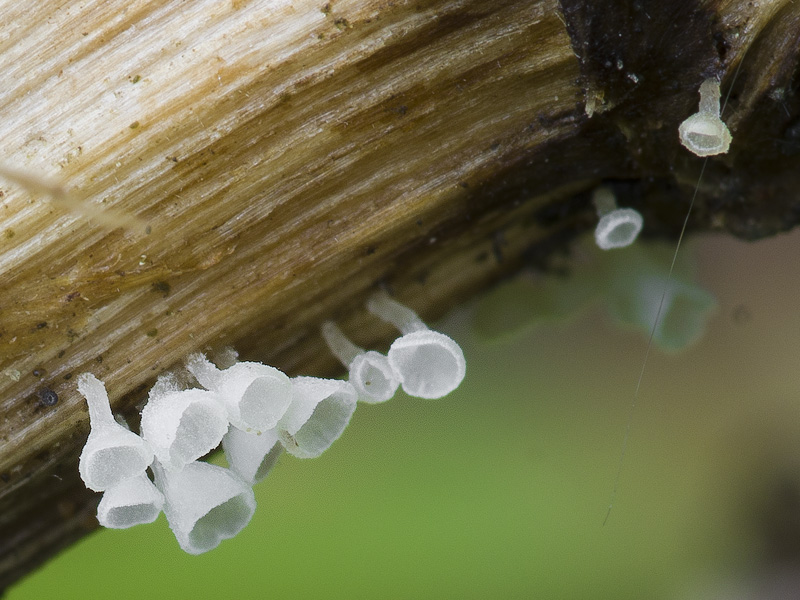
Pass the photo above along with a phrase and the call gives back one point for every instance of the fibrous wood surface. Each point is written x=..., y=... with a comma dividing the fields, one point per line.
x=288, y=157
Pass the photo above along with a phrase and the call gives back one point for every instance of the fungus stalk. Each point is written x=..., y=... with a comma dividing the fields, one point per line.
x=429, y=364
x=369, y=372
x=704, y=133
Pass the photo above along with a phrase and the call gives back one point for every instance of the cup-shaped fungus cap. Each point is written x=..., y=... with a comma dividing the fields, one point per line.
x=429, y=364
x=638, y=281
x=684, y=312
x=205, y=504
x=618, y=229
x=320, y=410
x=251, y=455
x=373, y=377
x=182, y=426
x=112, y=453
x=369, y=372
x=131, y=502
x=704, y=133
x=256, y=395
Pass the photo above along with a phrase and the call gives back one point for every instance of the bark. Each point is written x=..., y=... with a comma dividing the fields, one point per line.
x=289, y=157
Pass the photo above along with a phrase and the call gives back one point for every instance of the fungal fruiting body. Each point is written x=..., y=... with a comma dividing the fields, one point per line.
x=428, y=364
x=368, y=371
x=684, y=311
x=184, y=425
x=112, y=453
x=205, y=504
x=617, y=227
x=635, y=286
x=256, y=412
x=256, y=396
x=320, y=410
x=251, y=455
x=704, y=133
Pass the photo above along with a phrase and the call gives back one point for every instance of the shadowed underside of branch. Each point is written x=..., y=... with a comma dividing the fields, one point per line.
x=290, y=157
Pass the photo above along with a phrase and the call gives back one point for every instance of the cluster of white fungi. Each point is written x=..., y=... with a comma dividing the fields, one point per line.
x=703, y=134
x=256, y=412
x=640, y=292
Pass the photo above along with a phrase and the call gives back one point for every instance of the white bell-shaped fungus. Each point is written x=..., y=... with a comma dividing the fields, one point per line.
x=617, y=227
x=683, y=314
x=251, y=455
x=428, y=363
x=205, y=504
x=134, y=501
x=319, y=412
x=183, y=425
x=256, y=395
x=704, y=133
x=369, y=372
x=112, y=453
x=637, y=283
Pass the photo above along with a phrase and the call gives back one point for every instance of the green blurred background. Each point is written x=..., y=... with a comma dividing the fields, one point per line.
x=500, y=489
